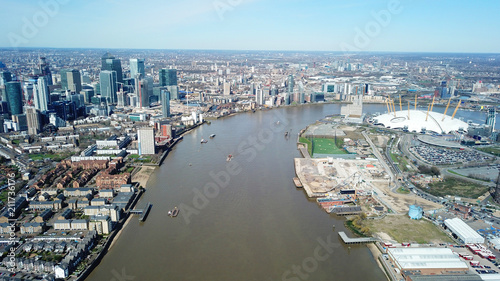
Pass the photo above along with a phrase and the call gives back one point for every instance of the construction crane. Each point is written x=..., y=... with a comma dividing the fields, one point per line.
x=344, y=182
x=448, y=105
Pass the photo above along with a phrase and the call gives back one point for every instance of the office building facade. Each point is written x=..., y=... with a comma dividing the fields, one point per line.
x=14, y=97
x=137, y=67
x=41, y=94
x=108, y=85
x=146, y=141
x=165, y=102
x=110, y=63
x=33, y=120
x=168, y=77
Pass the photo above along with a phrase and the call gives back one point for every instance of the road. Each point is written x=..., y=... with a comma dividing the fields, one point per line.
x=379, y=156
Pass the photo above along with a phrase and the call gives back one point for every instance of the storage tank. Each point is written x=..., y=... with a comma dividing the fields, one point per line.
x=415, y=212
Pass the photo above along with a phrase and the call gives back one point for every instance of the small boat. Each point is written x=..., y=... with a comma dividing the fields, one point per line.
x=174, y=212
x=229, y=157
x=212, y=136
x=297, y=182
x=277, y=122
x=204, y=141
x=286, y=134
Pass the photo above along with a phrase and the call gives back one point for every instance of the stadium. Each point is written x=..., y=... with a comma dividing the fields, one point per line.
x=420, y=121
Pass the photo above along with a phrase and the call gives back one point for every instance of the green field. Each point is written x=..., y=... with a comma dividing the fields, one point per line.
x=323, y=146
x=326, y=146
x=457, y=188
x=491, y=150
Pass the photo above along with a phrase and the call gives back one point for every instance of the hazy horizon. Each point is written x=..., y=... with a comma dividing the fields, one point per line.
x=255, y=25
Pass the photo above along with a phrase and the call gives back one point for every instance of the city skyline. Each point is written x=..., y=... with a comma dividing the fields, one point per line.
x=371, y=26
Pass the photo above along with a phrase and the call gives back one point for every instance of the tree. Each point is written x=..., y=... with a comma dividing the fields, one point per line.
x=435, y=171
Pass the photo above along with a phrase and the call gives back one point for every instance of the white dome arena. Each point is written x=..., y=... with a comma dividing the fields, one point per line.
x=416, y=122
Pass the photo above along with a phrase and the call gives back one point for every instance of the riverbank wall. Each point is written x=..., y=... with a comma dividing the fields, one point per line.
x=109, y=241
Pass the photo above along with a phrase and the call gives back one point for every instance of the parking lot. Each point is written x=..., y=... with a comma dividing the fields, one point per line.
x=445, y=156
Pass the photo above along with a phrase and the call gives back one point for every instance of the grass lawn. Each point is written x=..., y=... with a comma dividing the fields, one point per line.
x=403, y=229
x=326, y=146
x=458, y=188
x=401, y=161
x=491, y=150
x=141, y=158
x=322, y=146
x=403, y=190
x=308, y=143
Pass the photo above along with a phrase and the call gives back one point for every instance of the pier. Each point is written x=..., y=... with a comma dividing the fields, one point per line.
x=143, y=212
x=348, y=240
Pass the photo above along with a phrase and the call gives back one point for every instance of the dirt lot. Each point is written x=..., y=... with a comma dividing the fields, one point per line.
x=351, y=132
x=400, y=203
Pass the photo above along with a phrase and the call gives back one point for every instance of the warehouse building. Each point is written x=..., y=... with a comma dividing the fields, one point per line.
x=426, y=261
x=463, y=232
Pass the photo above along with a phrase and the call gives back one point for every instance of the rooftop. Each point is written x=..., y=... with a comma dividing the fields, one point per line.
x=426, y=258
x=416, y=120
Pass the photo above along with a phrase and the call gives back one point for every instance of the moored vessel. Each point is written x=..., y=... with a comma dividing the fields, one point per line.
x=174, y=212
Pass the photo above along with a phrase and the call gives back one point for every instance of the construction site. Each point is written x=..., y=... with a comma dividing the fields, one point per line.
x=354, y=180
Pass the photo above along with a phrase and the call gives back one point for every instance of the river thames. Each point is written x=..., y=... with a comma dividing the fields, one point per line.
x=243, y=219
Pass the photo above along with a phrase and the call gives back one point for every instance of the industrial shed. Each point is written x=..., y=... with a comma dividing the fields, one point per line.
x=427, y=261
x=463, y=231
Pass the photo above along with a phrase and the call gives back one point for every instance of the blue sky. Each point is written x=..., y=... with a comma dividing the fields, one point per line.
x=402, y=26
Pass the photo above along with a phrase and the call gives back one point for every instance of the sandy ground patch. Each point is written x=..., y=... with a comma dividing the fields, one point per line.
x=143, y=175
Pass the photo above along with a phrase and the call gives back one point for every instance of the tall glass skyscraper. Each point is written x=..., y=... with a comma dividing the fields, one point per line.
x=168, y=77
x=41, y=94
x=137, y=67
x=108, y=85
x=290, y=84
x=71, y=80
x=44, y=70
x=64, y=78
x=74, y=81
x=144, y=91
x=14, y=97
x=165, y=102
x=5, y=77
x=109, y=62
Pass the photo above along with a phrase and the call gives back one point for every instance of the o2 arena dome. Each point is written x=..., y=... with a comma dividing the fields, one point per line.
x=420, y=121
